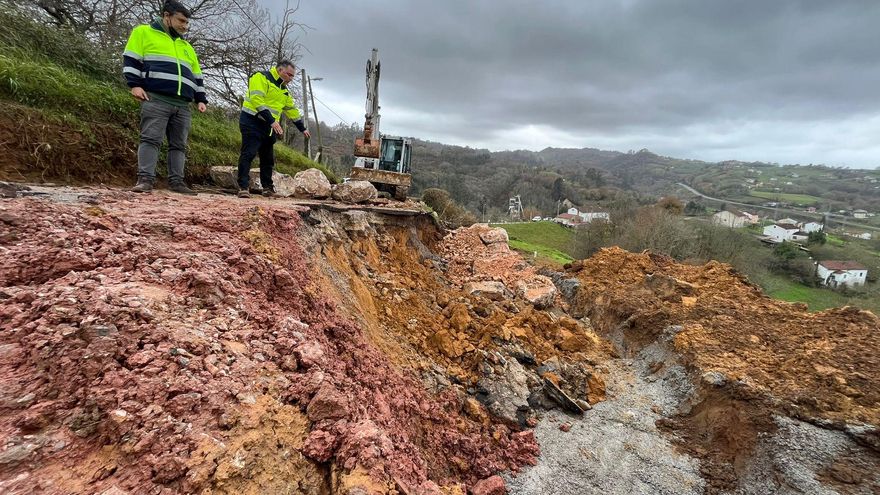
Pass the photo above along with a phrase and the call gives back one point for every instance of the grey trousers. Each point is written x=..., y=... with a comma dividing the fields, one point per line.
x=158, y=121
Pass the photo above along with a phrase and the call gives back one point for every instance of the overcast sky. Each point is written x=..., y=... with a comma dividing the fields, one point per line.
x=787, y=81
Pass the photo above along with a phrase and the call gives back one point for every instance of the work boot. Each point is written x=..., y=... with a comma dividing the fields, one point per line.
x=181, y=189
x=142, y=186
x=243, y=193
x=269, y=192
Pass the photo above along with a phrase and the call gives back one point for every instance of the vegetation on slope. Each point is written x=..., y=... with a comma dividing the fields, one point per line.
x=65, y=114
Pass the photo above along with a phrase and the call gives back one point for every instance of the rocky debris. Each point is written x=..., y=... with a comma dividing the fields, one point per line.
x=480, y=253
x=355, y=191
x=495, y=236
x=311, y=183
x=495, y=291
x=733, y=332
x=539, y=291
x=195, y=340
x=752, y=358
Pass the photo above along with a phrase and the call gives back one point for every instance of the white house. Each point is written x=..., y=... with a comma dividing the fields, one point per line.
x=779, y=233
x=841, y=273
x=729, y=219
x=812, y=227
x=860, y=214
x=575, y=218
x=789, y=221
x=589, y=216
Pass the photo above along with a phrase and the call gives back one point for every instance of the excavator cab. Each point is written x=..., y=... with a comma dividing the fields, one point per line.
x=396, y=154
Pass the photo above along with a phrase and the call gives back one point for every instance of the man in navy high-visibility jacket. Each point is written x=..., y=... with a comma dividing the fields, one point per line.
x=163, y=72
x=260, y=123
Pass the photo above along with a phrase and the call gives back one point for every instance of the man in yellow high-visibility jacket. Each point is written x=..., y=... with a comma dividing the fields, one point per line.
x=163, y=72
x=261, y=111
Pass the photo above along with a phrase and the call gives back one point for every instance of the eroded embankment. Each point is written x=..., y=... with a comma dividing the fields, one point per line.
x=783, y=400
x=161, y=344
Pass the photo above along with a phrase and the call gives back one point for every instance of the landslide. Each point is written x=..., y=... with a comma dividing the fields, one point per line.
x=165, y=344
x=754, y=358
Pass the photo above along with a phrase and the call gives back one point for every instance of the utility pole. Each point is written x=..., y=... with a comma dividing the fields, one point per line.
x=305, y=85
x=320, y=156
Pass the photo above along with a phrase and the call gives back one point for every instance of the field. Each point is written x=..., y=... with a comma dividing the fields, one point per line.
x=548, y=241
x=818, y=299
x=803, y=199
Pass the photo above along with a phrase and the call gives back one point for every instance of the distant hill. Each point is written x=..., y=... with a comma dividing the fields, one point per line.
x=484, y=180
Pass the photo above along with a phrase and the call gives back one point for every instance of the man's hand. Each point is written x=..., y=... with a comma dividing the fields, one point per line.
x=277, y=128
x=202, y=107
x=307, y=134
x=139, y=94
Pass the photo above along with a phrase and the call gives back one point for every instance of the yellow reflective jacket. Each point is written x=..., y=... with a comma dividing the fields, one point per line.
x=163, y=63
x=268, y=98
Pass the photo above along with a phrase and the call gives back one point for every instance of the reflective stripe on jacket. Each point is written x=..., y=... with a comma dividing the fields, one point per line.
x=160, y=63
x=268, y=98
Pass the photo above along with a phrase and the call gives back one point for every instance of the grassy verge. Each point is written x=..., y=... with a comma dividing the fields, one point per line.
x=548, y=241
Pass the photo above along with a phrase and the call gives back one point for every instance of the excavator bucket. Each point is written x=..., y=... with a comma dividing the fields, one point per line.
x=367, y=148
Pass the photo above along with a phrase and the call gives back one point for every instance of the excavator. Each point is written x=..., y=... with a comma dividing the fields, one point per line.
x=382, y=160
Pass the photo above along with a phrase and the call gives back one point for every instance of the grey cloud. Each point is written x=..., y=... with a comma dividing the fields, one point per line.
x=626, y=69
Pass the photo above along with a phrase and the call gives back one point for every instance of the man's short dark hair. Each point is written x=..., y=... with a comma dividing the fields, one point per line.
x=285, y=63
x=173, y=6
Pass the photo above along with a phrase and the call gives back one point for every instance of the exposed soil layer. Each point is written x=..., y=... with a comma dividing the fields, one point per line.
x=164, y=344
x=37, y=148
x=753, y=357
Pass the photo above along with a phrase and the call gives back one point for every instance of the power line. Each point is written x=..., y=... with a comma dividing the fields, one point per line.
x=243, y=11
x=331, y=110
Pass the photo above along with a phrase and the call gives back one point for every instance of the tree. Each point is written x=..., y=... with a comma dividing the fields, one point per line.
x=671, y=204
x=234, y=38
x=816, y=238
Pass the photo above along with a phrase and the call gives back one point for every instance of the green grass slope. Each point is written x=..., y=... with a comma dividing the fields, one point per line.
x=65, y=114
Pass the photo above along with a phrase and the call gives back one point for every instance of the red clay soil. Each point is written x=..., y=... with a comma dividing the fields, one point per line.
x=158, y=344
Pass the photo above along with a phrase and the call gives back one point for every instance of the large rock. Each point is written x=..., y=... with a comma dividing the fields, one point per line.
x=355, y=191
x=539, y=291
x=227, y=177
x=506, y=386
x=494, y=236
x=311, y=183
x=285, y=185
x=491, y=290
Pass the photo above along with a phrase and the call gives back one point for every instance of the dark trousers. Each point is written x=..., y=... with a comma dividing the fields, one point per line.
x=257, y=138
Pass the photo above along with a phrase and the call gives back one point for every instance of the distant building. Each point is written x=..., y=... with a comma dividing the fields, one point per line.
x=810, y=227
x=575, y=218
x=859, y=235
x=783, y=232
x=729, y=219
x=860, y=214
x=836, y=274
